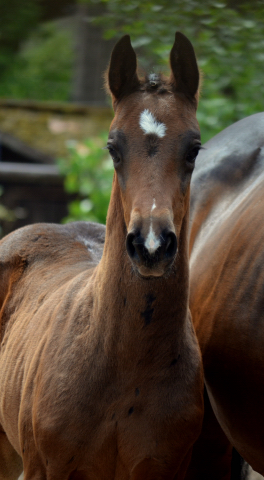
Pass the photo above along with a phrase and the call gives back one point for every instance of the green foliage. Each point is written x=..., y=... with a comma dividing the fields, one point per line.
x=16, y=21
x=228, y=37
x=88, y=173
x=42, y=70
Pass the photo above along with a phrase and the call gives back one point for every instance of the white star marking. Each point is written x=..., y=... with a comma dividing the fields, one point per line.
x=149, y=124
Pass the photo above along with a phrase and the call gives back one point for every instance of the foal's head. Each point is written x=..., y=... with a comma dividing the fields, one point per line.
x=154, y=139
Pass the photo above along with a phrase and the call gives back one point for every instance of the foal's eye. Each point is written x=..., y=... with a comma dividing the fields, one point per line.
x=192, y=154
x=114, y=154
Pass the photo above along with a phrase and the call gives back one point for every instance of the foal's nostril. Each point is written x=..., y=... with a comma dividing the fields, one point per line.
x=170, y=245
x=130, y=245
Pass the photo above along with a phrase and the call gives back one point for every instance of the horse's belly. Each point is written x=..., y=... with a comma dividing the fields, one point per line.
x=231, y=342
x=243, y=425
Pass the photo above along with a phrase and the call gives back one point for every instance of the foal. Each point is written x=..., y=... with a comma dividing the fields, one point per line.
x=100, y=370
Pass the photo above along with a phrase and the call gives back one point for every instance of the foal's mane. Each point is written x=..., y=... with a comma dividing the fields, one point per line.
x=153, y=82
x=156, y=83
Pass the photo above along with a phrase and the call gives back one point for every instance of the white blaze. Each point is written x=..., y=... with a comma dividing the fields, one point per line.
x=149, y=124
x=154, y=205
x=152, y=243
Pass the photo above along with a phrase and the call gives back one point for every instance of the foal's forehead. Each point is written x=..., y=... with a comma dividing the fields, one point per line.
x=159, y=115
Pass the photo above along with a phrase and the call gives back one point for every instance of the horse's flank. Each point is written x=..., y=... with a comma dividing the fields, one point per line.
x=226, y=293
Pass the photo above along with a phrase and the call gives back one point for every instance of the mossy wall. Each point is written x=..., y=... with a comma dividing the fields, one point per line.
x=49, y=127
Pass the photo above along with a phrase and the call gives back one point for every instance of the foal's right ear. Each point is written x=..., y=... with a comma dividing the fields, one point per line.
x=122, y=73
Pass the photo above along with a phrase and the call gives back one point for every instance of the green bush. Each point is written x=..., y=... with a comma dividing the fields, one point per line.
x=88, y=174
x=17, y=19
x=42, y=70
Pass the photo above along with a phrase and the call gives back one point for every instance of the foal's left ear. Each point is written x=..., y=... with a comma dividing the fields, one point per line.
x=184, y=68
x=122, y=73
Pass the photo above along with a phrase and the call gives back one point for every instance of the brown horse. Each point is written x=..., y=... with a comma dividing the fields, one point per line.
x=100, y=369
x=227, y=295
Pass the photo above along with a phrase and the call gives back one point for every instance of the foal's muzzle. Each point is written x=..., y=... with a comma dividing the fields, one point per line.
x=153, y=254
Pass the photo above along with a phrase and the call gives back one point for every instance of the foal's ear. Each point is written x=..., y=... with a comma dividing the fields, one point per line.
x=122, y=72
x=184, y=68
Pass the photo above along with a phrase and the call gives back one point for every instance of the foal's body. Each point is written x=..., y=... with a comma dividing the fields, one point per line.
x=227, y=291
x=100, y=370
x=101, y=393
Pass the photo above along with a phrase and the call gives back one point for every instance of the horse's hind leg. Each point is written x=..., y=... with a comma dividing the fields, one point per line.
x=10, y=462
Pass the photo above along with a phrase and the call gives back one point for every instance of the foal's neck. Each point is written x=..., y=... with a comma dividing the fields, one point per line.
x=139, y=300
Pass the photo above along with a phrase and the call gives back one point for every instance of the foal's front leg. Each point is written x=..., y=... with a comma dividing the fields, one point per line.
x=151, y=469
x=212, y=452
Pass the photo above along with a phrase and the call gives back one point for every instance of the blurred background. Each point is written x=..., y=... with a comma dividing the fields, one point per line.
x=54, y=113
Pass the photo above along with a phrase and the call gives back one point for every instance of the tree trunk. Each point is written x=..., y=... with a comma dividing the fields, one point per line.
x=92, y=57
